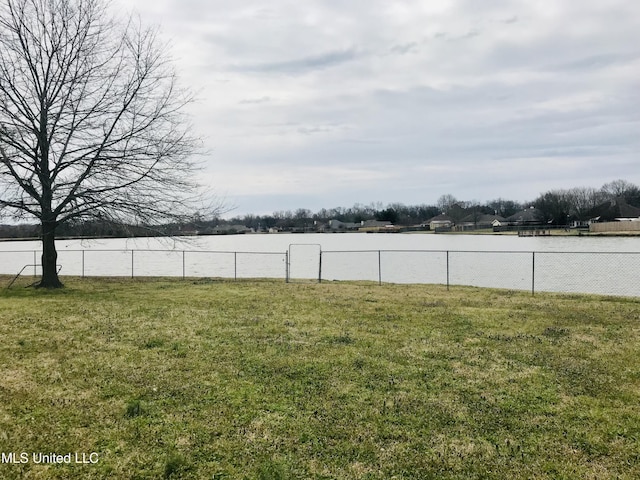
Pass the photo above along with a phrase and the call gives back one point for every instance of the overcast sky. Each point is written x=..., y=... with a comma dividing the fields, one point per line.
x=311, y=104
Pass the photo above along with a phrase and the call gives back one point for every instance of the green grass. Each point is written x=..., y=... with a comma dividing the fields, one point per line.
x=219, y=380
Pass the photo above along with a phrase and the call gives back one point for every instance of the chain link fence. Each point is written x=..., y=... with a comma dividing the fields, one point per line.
x=579, y=272
x=613, y=273
x=606, y=273
x=152, y=263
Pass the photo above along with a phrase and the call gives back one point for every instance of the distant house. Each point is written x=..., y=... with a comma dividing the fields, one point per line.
x=482, y=220
x=338, y=226
x=615, y=215
x=615, y=210
x=440, y=221
x=528, y=217
x=499, y=223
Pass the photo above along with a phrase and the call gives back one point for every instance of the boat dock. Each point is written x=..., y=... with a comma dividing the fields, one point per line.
x=534, y=233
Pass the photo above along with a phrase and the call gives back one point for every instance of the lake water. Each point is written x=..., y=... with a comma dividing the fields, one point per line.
x=607, y=265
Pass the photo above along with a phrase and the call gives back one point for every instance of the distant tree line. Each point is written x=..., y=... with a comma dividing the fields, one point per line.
x=557, y=207
x=562, y=206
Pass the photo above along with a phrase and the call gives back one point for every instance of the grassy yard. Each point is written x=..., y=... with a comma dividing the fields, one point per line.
x=219, y=380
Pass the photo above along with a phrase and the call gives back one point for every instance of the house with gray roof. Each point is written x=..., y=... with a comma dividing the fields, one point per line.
x=615, y=210
x=529, y=216
x=479, y=220
x=338, y=226
x=441, y=221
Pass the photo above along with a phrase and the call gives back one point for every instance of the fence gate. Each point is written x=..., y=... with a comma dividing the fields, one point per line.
x=304, y=262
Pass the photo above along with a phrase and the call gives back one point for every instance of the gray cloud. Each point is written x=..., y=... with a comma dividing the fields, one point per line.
x=596, y=62
x=405, y=48
x=300, y=65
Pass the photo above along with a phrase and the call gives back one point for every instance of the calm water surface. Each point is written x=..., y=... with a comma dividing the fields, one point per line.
x=608, y=265
x=352, y=241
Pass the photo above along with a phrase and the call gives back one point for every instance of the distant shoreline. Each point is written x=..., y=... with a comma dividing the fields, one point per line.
x=555, y=233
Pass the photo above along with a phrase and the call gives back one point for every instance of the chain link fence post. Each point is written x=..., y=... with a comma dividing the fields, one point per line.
x=447, y=270
x=286, y=267
x=533, y=273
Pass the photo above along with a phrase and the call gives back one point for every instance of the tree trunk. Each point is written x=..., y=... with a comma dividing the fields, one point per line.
x=49, y=257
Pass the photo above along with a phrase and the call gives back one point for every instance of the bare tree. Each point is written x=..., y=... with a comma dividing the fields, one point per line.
x=92, y=121
x=503, y=207
x=553, y=207
x=445, y=202
x=619, y=188
x=582, y=200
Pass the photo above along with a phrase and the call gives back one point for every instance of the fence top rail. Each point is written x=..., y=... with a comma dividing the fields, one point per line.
x=129, y=250
x=229, y=251
x=382, y=250
x=588, y=253
x=376, y=250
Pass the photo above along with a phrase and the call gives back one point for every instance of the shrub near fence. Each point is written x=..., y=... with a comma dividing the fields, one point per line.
x=573, y=272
